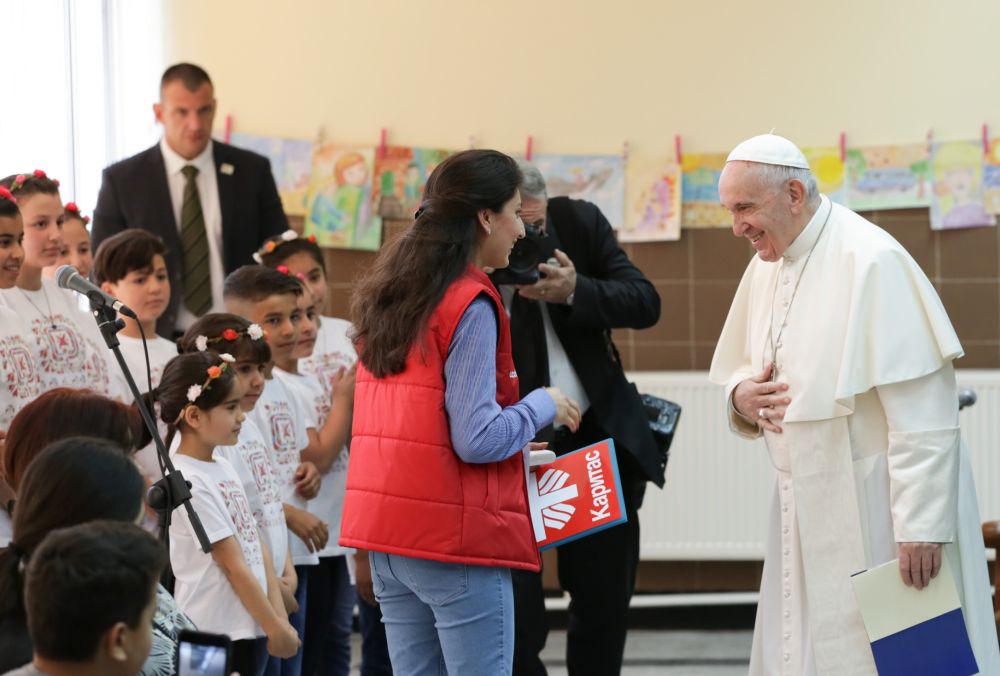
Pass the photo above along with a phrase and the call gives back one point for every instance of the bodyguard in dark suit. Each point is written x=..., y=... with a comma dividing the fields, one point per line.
x=561, y=331
x=212, y=204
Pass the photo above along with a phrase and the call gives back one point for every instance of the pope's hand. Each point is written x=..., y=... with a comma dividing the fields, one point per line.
x=761, y=400
x=919, y=562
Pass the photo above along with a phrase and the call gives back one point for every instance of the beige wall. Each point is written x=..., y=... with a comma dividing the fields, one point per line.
x=585, y=75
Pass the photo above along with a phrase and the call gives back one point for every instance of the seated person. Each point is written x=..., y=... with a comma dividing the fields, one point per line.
x=90, y=593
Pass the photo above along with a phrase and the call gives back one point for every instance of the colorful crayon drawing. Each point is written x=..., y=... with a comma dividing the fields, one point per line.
x=339, y=204
x=828, y=169
x=654, y=203
x=596, y=178
x=991, y=178
x=888, y=177
x=700, y=191
x=400, y=175
x=957, y=199
x=291, y=163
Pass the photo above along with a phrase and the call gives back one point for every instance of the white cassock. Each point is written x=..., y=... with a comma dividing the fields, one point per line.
x=871, y=453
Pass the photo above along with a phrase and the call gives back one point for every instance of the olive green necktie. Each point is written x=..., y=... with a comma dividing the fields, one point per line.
x=197, y=278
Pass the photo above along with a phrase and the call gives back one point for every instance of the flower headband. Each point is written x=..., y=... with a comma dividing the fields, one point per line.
x=75, y=210
x=273, y=243
x=20, y=179
x=7, y=194
x=283, y=269
x=212, y=372
x=253, y=332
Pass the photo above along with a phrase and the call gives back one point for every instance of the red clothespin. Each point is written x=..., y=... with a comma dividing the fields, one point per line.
x=528, y=145
x=986, y=140
x=624, y=151
x=843, y=147
x=678, y=155
x=228, y=133
x=383, y=136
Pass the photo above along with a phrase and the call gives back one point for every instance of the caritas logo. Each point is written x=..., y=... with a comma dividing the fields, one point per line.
x=576, y=495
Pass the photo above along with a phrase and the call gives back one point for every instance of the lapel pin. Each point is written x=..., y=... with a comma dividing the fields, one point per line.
x=227, y=169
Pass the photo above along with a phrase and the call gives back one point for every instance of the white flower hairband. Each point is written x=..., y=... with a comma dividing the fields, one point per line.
x=253, y=332
x=212, y=372
x=273, y=243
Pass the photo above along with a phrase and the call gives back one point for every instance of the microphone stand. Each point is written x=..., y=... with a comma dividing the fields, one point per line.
x=172, y=490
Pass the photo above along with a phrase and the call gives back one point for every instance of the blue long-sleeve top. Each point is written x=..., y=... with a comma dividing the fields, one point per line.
x=482, y=431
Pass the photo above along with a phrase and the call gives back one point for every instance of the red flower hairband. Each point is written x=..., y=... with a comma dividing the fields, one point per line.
x=20, y=179
x=283, y=269
x=75, y=210
x=7, y=194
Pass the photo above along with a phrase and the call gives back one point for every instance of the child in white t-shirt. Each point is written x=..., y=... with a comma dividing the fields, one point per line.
x=331, y=594
x=250, y=458
x=131, y=267
x=233, y=589
x=269, y=299
x=66, y=345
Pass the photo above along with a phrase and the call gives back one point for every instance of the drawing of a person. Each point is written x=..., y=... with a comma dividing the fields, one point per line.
x=957, y=180
x=345, y=210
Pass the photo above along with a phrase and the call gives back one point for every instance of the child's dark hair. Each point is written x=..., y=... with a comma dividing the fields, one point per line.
x=132, y=249
x=30, y=183
x=8, y=204
x=216, y=328
x=277, y=250
x=254, y=283
x=72, y=481
x=82, y=581
x=179, y=375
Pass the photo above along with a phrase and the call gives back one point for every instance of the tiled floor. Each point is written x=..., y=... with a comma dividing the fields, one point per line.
x=663, y=653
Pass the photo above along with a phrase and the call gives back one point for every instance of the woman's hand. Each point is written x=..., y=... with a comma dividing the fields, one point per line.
x=567, y=410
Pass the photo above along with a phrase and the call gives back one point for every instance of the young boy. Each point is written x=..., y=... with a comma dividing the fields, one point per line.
x=90, y=595
x=131, y=267
x=331, y=595
x=332, y=356
x=270, y=299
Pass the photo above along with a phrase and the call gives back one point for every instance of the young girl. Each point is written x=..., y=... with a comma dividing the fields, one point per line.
x=19, y=382
x=232, y=591
x=235, y=335
x=66, y=344
x=76, y=243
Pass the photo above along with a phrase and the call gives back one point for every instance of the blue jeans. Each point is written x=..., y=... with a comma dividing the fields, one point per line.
x=329, y=618
x=445, y=618
x=293, y=665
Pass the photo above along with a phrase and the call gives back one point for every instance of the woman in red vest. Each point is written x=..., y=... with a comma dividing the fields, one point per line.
x=436, y=482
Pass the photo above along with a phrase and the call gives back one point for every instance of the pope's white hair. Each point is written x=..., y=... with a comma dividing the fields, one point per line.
x=777, y=176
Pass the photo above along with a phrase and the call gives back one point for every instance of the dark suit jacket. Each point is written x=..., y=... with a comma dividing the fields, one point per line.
x=611, y=293
x=134, y=194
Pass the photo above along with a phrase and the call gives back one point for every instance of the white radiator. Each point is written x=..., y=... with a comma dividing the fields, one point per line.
x=715, y=501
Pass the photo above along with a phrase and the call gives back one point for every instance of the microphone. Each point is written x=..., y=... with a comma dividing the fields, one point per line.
x=966, y=398
x=67, y=277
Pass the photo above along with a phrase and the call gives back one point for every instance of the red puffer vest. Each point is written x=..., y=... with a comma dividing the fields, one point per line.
x=408, y=492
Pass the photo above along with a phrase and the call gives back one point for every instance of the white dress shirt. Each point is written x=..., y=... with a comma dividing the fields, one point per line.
x=208, y=193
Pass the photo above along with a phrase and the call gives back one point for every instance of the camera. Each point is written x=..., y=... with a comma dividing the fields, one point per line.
x=528, y=252
x=203, y=654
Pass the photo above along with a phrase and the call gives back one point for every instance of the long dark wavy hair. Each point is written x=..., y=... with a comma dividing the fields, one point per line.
x=391, y=304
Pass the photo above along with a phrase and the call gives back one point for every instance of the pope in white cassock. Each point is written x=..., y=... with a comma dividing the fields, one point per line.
x=838, y=351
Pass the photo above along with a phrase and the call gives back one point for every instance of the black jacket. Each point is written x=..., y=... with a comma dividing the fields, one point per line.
x=611, y=293
x=134, y=194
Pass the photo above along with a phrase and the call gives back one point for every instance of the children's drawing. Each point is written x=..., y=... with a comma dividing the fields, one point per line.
x=291, y=163
x=400, y=175
x=339, y=209
x=595, y=178
x=654, y=203
x=957, y=199
x=888, y=177
x=700, y=191
x=828, y=169
x=991, y=178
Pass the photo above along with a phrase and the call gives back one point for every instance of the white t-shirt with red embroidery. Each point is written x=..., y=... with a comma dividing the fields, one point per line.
x=250, y=459
x=280, y=420
x=328, y=504
x=202, y=590
x=19, y=379
x=65, y=343
x=161, y=351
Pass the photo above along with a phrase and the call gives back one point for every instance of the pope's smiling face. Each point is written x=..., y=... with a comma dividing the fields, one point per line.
x=769, y=217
